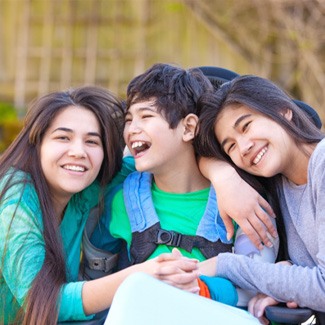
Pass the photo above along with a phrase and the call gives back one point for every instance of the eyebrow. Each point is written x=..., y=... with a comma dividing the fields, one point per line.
x=96, y=134
x=238, y=121
x=141, y=109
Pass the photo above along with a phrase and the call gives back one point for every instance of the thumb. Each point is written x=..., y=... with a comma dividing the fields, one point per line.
x=292, y=304
x=176, y=253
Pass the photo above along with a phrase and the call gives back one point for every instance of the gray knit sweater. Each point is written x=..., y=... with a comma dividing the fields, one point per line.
x=303, y=209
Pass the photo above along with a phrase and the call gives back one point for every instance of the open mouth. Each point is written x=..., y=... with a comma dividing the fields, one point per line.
x=259, y=156
x=139, y=146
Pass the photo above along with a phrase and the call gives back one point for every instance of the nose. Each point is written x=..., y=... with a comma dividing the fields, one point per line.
x=245, y=146
x=77, y=150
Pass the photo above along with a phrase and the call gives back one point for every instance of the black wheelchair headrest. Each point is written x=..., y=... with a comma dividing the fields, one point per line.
x=218, y=76
x=310, y=112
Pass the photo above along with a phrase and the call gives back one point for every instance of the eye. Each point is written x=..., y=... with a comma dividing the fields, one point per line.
x=62, y=138
x=246, y=125
x=147, y=116
x=231, y=147
x=95, y=142
x=127, y=119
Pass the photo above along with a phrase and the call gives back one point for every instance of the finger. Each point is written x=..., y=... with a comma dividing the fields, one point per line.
x=251, y=305
x=228, y=224
x=165, y=257
x=180, y=279
x=176, y=267
x=263, y=320
x=176, y=253
x=266, y=206
x=189, y=288
x=250, y=231
x=260, y=230
x=292, y=304
x=261, y=304
x=265, y=217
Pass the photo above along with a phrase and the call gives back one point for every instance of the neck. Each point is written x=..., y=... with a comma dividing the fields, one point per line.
x=298, y=170
x=186, y=179
x=59, y=208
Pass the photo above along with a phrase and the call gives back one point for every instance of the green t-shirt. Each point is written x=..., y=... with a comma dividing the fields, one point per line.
x=177, y=212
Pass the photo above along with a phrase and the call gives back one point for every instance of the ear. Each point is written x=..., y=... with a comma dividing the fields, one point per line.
x=190, y=122
x=287, y=113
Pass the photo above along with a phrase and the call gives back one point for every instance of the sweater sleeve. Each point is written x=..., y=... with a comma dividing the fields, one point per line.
x=22, y=251
x=304, y=285
x=70, y=302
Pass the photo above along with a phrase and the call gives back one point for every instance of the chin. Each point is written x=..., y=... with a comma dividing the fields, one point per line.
x=141, y=168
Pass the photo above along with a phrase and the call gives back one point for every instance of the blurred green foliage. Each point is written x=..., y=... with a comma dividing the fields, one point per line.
x=10, y=125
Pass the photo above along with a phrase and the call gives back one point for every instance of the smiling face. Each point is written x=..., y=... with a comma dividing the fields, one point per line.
x=71, y=152
x=255, y=143
x=154, y=145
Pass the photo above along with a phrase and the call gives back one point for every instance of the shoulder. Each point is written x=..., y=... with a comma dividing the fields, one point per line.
x=317, y=159
x=19, y=188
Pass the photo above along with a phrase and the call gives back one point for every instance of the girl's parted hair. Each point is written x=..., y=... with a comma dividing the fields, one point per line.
x=259, y=94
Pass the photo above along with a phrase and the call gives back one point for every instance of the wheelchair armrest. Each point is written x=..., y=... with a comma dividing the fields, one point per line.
x=287, y=315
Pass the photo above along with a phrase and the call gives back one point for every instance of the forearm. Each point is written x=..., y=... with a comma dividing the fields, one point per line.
x=173, y=269
x=239, y=201
x=216, y=170
x=97, y=295
x=208, y=267
x=303, y=285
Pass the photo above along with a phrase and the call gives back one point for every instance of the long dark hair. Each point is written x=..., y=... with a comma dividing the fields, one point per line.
x=24, y=155
x=268, y=99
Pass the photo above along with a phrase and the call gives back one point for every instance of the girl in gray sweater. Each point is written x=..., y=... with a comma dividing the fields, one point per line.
x=256, y=127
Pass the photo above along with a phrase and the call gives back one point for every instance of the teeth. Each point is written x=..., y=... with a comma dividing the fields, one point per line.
x=137, y=144
x=259, y=156
x=74, y=168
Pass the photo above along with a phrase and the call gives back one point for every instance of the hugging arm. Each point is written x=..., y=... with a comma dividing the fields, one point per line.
x=237, y=200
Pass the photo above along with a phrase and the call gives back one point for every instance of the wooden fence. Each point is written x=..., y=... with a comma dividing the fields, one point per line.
x=48, y=45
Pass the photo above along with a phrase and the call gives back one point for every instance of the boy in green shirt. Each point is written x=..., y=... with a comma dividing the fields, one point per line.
x=168, y=203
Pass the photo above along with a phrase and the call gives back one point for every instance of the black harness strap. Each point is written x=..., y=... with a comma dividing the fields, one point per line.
x=144, y=243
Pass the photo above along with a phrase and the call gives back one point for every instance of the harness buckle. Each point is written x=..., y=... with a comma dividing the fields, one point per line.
x=169, y=238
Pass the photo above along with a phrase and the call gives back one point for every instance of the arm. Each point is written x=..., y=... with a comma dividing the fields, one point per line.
x=176, y=270
x=259, y=302
x=24, y=256
x=250, y=210
x=281, y=282
x=22, y=252
x=218, y=287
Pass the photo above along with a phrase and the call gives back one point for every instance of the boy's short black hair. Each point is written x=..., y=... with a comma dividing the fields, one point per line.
x=174, y=90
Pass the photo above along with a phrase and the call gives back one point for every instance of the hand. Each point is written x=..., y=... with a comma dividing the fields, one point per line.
x=248, y=208
x=177, y=270
x=257, y=305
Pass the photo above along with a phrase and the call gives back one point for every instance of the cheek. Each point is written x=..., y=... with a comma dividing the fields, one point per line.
x=98, y=158
x=125, y=132
x=44, y=156
x=236, y=159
